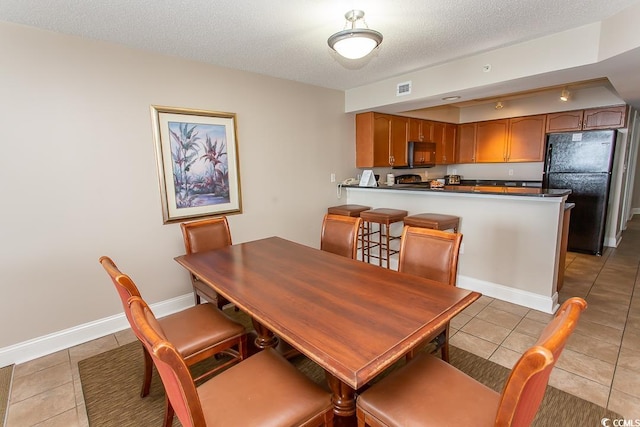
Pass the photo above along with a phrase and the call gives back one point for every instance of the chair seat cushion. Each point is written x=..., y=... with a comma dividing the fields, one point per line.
x=198, y=328
x=238, y=395
x=430, y=392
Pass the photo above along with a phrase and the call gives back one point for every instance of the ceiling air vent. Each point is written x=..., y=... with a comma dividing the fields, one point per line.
x=403, y=89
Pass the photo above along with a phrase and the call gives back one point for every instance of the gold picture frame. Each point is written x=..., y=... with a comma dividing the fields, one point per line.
x=197, y=160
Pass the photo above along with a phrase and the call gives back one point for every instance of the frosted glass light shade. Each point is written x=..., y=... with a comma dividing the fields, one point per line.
x=355, y=43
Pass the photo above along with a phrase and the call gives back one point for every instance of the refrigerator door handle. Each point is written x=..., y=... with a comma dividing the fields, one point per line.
x=547, y=163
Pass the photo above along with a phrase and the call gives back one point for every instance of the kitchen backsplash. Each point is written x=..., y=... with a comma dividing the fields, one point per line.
x=502, y=171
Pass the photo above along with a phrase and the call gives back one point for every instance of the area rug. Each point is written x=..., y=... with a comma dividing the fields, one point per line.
x=111, y=384
x=5, y=389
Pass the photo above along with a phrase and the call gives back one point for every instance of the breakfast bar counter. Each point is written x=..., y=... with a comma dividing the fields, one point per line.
x=512, y=235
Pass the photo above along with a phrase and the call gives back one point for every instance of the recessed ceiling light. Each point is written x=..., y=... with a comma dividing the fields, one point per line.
x=450, y=98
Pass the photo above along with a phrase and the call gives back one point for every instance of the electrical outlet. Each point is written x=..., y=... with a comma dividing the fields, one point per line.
x=333, y=177
x=426, y=174
x=510, y=172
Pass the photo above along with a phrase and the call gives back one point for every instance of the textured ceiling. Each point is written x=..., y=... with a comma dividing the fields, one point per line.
x=288, y=38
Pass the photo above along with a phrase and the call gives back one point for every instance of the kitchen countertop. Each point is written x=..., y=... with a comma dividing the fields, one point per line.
x=472, y=189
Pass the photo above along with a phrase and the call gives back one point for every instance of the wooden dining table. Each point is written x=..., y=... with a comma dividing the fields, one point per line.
x=352, y=318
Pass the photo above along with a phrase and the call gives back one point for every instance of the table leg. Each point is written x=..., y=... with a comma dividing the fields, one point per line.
x=344, y=402
x=265, y=337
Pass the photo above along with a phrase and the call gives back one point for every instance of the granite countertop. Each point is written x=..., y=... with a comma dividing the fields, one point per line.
x=506, y=190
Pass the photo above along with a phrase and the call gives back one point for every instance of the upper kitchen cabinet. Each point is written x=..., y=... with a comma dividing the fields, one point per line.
x=491, y=141
x=381, y=140
x=420, y=130
x=466, y=144
x=519, y=139
x=526, y=139
x=444, y=135
x=591, y=119
x=605, y=118
x=565, y=121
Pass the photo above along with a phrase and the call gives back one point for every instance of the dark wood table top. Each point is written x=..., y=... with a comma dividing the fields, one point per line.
x=352, y=318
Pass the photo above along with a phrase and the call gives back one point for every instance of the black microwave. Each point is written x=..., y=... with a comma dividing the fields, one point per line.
x=420, y=154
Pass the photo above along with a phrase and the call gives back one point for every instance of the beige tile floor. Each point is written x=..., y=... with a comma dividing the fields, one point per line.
x=601, y=362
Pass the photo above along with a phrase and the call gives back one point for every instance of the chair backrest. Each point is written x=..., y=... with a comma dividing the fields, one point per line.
x=206, y=235
x=340, y=235
x=176, y=378
x=124, y=285
x=428, y=253
x=526, y=385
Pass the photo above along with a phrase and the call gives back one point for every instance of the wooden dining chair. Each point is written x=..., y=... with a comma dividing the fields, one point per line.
x=262, y=390
x=432, y=254
x=206, y=235
x=340, y=235
x=430, y=392
x=198, y=332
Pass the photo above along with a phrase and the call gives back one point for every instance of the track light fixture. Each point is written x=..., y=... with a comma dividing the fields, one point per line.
x=355, y=43
x=499, y=105
x=564, y=96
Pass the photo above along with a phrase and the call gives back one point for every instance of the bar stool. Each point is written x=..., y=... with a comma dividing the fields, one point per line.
x=433, y=221
x=348, y=210
x=384, y=218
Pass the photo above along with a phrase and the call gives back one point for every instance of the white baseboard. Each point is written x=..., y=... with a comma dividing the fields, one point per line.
x=506, y=293
x=41, y=346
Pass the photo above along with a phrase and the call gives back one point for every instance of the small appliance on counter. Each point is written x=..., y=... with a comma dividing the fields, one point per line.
x=409, y=178
x=452, y=179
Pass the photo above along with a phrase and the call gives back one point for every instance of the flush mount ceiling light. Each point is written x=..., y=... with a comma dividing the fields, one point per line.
x=355, y=43
x=499, y=105
x=451, y=98
x=564, y=96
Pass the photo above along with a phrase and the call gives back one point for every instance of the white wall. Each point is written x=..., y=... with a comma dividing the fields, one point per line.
x=79, y=177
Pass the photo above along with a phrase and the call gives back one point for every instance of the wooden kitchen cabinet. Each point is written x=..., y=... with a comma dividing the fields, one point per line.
x=605, y=118
x=565, y=121
x=519, y=139
x=466, y=144
x=491, y=141
x=381, y=140
x=398, y=141
x=526, y=139
x=420, y=130
x=591, y=119
x=444, y=135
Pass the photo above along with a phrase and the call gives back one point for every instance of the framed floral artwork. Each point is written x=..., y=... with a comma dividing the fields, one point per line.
x=197, y=159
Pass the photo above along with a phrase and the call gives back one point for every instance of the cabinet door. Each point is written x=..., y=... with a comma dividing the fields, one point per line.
x=466, y=147
x=605, y=118
x=364, y=140
x=438, y=138
x=398, y=141
x=491, y=141
x=414, y=130
x=565, y=121
x=449, y=143
x=381, y=138
x=526, y=139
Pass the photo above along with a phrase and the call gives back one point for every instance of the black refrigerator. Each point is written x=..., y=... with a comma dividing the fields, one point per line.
x=582, y=162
